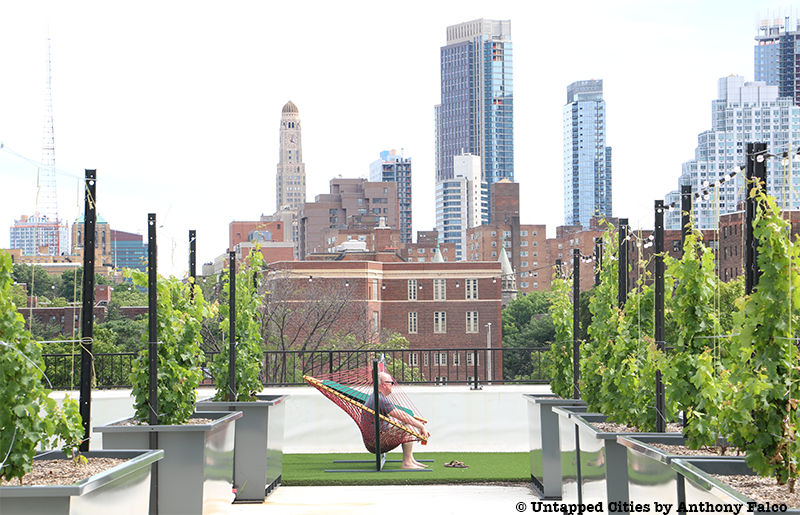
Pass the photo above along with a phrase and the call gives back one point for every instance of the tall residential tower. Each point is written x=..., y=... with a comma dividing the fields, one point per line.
x=393, y=167
x=777, y=52
x=743, y=112
x=290, y=182
x=476, y=113
x=587, y=159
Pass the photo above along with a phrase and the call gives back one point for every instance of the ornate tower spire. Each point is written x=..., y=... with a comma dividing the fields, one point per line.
x=290, y=183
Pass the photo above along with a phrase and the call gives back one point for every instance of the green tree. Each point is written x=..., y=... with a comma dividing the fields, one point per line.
x=71, y=287
x=38, y=282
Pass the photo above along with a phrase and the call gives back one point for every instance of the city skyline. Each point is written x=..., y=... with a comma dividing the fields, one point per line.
x=179, y=112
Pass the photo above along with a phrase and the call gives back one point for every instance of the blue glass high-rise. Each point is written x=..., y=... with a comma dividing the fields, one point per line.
x=476, y=114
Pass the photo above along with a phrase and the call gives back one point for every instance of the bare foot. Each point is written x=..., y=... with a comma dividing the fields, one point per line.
x=414, y=465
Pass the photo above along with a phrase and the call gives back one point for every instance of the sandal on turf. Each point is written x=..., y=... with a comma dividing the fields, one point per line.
x=460, y=465
x=452, y=464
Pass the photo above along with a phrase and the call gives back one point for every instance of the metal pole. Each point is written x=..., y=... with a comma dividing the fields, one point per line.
x=686, y=209
x=152, y=313
x=192, y=260
x=598, y=259
x=622, y=295
x=489, y=353
x=475, y=366
x=755, y=171
x=377, y=407
x=232, y=346
x=576, y=322
x=87, y=310
x=661, y=421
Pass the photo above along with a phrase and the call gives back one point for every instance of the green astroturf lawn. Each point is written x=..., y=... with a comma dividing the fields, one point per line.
x=309, y=469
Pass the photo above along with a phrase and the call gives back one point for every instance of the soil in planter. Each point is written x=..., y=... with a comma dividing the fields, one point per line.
x=63, y=472
x=763, y=489
x=682, y=450
x=190, y=422
x=611, y=427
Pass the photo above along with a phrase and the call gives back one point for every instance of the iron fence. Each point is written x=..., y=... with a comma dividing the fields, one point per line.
x=474, y=367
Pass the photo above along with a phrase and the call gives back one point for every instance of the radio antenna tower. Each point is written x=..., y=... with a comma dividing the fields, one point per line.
x=46, y=199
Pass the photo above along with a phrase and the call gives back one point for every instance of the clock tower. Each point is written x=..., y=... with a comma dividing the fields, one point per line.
x=290, y=181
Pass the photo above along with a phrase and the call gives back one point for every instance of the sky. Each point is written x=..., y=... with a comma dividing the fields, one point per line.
x=177, y=104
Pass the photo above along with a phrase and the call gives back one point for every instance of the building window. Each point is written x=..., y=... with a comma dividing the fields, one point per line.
x=412, y=289
x=375, y=326
x=471, y=358
x=439, y=322
x=420, y=251
x=440, y=289
x=494, y=244
x=413, y=359
x=425, y=359
x=440, y=358
x=524, y=285
x=525, y=264
x=412, y=322
x=456, y=359
x=440, y=380
x=471, y=288
x=472, y=321
x=523, y=233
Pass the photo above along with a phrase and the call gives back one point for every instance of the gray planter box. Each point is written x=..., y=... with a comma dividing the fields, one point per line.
x=651, y=477
x=122, y=490
x=602, y=464
x=568, y=446
x=545, y=449
x=696, y=483
x=258, y=455
x=196, y=475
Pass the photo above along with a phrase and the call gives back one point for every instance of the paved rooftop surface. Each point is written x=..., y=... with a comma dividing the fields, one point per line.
x=389, y=500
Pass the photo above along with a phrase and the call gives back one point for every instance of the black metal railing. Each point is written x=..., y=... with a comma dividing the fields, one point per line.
x=474, y=367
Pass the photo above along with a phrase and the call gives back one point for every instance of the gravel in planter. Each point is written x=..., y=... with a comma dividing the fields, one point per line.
x=63, y=472
x=762, y=489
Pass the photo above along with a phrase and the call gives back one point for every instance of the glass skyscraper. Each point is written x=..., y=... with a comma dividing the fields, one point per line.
x=476, y=114
x=776, y=54
x=587, y=159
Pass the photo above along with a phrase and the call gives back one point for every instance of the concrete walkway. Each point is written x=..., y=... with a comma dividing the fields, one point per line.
x=390, y=500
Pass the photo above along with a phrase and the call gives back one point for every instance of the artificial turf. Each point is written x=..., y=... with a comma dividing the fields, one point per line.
x=495, y=467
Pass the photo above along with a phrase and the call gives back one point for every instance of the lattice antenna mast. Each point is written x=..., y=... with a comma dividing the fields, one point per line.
x=46, y=199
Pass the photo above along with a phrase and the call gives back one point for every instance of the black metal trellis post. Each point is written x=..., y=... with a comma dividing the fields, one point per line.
x=598, y=259
x=576, y=322
x=192, y=260
x=659, y=312
x=87, y=310
x=686, y=209
x=152, y=306
x=232, y=346
x=756, y=170
x=622, y=295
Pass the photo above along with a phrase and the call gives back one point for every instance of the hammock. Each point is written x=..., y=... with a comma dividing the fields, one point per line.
x=350, y=390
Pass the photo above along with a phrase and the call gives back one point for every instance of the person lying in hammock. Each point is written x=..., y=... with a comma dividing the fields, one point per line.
x=388, y=409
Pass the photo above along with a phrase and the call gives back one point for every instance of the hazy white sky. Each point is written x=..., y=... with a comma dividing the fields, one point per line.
x=177, y=104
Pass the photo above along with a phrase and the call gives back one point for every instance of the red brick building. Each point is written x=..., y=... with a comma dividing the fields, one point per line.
x=424, y=249
x=441, y=308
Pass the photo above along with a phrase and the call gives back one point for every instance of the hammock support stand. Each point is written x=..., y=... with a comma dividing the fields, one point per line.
x=380, y=457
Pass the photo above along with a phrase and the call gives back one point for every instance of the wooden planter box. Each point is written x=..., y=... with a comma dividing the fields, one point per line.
x=258, y=455
x=545, y=448
x=121, y=490
x=196, y=475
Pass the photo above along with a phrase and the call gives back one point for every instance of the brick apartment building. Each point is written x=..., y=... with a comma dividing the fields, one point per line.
x=425, y=248
x=351, y=203
x=442, y=308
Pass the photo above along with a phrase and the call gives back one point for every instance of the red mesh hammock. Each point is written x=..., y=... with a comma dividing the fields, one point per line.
x=350, y=389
